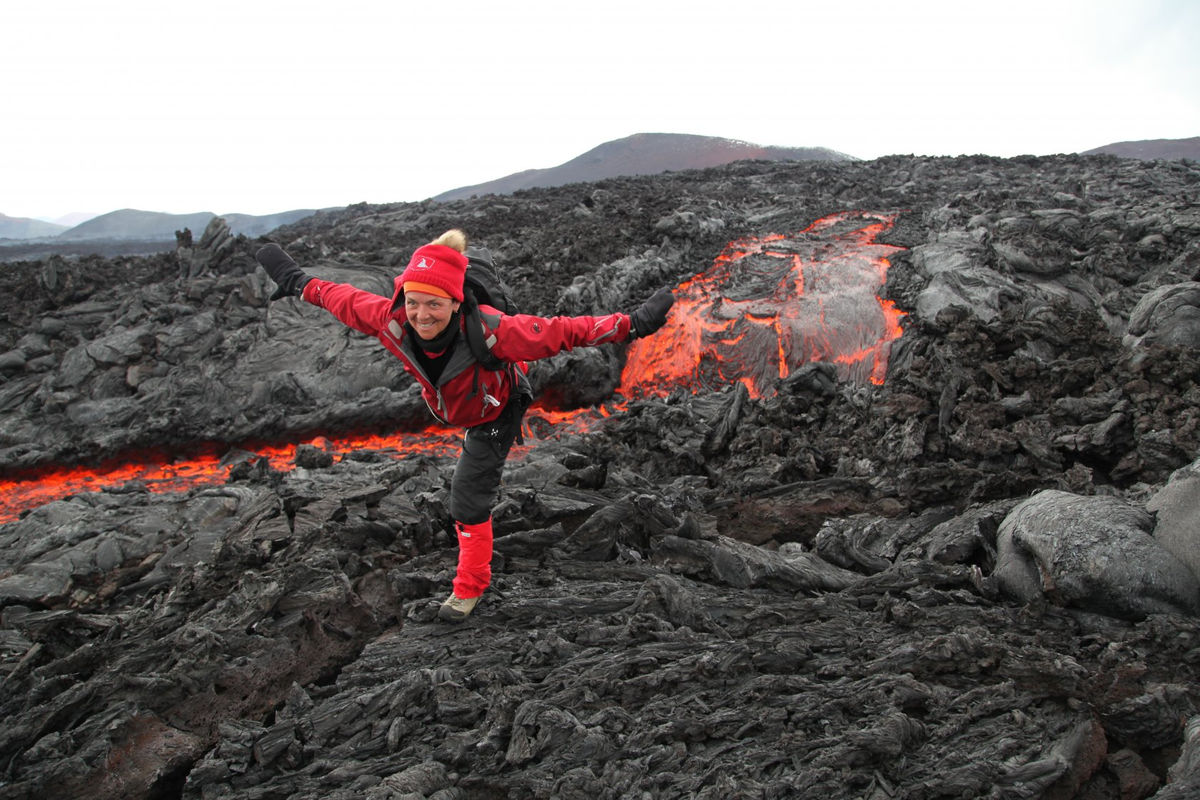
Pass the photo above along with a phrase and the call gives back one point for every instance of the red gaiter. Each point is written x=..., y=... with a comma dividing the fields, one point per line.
x=474, y=558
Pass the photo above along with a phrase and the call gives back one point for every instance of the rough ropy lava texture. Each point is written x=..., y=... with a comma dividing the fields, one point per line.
x=825, y=586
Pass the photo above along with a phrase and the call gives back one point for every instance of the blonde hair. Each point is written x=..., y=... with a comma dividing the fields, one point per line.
x=453, y=238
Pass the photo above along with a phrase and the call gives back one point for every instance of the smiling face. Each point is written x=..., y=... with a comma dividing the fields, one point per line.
x=428, y=314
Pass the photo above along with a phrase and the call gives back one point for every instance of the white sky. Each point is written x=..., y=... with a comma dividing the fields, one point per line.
x=261, y=106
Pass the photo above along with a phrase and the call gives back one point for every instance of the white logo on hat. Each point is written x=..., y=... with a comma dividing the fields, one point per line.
x=423, y=264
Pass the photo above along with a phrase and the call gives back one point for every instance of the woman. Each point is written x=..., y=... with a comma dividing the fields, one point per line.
x=423, y=327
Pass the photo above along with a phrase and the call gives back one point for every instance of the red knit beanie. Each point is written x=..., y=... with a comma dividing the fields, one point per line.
x=437, y=265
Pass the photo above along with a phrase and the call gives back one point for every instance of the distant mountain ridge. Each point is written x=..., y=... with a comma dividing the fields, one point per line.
x=26, y=228
x=644, y=154
x=1151, y=149
x=144, y=226
x=128, y=232
x=129, y=223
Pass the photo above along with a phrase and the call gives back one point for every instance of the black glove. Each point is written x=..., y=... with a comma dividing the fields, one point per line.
x=652, y=314
x=283, y=270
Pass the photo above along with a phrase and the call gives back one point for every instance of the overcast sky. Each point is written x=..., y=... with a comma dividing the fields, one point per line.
x=259, y=106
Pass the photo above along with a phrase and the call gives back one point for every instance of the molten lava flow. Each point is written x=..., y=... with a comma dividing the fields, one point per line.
x=159, y=471
x=767, y=305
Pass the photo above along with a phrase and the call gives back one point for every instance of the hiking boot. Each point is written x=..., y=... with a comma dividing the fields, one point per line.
x=456, y=608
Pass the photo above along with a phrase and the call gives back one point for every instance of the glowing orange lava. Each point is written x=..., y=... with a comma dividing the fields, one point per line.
x=767, y=305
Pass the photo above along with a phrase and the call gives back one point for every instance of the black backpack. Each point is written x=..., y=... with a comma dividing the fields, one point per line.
x=482, y=286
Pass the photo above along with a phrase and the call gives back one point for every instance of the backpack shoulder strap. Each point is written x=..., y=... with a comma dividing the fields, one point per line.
x=478, y=339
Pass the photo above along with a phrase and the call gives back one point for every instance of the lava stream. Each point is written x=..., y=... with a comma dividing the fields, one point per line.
x=769, y=304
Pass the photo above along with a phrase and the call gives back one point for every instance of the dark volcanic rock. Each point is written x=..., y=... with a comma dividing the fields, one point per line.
x=976, y=579
x=1093, y=552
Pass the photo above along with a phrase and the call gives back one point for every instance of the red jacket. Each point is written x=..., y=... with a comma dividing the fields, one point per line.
x=466, y=394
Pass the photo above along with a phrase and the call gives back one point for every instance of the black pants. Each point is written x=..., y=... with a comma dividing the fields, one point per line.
x=476, y=480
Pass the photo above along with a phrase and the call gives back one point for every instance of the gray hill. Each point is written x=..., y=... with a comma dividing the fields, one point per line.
x=644, y=154
x=1151, y=149
x=25, y=228
x=130, y=223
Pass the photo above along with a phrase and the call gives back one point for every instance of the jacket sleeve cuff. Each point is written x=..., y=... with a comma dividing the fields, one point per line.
x=630, y=333
x=312, y=291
